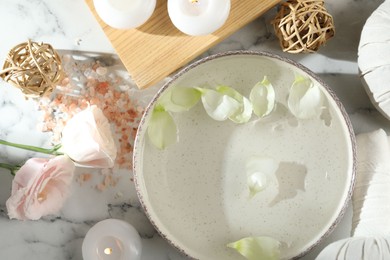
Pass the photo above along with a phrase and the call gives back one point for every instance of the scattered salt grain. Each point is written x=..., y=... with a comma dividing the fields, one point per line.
x=101, y=71
x=83, y=177
x=119, y=194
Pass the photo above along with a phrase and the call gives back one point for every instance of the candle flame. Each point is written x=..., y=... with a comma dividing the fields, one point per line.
x=194, y=1
x=108, y=251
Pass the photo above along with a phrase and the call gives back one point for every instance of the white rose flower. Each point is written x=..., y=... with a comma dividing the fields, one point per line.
x=88, y=141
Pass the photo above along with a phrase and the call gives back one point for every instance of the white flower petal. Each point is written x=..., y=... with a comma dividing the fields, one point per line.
x=257, y=182
x=162, y=129
x=87, y=139
x=217, y=105
x=231, y=92
x=257, y=171
x=244, y=113
x=306, y=98
x=256, y=248
x=179, y=99
x=262, y=97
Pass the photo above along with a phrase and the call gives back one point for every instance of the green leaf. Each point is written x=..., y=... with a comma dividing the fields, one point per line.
x=257, y=248
x=217, y=105
x=244, y=113
x=262, y=97
x=257, y=170
x=305, y=99
x=162, y=129
x=179, y=99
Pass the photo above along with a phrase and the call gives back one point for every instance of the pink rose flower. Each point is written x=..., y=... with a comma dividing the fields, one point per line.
x=40, y=187
x=87, y=139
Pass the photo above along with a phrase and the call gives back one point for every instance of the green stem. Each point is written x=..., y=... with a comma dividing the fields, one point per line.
x=12, y=168
x=53, y=151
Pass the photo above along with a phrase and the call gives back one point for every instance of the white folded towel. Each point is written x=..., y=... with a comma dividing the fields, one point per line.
x=371, y=196
x=357, y=248
x=371, y=203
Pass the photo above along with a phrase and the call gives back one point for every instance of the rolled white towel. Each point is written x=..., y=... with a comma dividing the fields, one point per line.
x=357, y=248
x=371, y=197
x=371, y=204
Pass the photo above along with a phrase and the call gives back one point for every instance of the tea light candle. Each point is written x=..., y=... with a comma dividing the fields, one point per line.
x=112, y=239
x=124, y=14
x=198, y=17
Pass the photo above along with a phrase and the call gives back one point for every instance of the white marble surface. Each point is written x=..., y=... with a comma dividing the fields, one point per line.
x=69, y=25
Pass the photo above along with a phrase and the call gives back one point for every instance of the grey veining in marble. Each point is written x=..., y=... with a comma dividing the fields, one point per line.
x=69, y=25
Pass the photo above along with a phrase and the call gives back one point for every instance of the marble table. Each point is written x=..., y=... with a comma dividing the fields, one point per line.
x=68, y=25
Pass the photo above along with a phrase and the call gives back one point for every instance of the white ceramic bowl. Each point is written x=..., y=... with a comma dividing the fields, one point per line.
x=195, y=193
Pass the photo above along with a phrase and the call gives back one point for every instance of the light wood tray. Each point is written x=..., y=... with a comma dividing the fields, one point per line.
x=156, y=49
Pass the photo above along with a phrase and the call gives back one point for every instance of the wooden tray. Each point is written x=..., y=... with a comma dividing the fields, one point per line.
x=156, y=49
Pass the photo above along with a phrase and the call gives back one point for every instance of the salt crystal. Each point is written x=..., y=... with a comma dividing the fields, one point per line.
x=105, y=171
x=101, y=71
x=100, y=187
x=118, y=194
x=124, y=87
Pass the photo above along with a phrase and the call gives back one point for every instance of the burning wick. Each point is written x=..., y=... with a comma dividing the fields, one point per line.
x=112, y=239
x=108, y=251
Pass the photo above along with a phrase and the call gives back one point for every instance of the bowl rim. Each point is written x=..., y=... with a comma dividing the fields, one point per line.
x=138, y=144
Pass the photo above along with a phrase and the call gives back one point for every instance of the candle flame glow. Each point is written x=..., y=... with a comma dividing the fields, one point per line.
x=108, y=251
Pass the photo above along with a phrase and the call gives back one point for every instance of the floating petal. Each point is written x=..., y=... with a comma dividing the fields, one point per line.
x=162, y=129
x=179, y=99
x=262, y=97
x=257, y=182
x=244, y=113
x=217, y=105
x=257, y=248
x=306, y=98
x=258, y=169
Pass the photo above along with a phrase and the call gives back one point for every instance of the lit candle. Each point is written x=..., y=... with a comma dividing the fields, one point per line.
x=198, y=17
x=124, y=14
x=112, y=239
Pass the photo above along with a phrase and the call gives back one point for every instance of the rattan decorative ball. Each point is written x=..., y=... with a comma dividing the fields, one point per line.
x=32, y=67
x=302, y=26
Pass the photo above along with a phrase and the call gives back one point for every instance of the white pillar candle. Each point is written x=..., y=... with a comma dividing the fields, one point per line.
x=124, y=14
x=198, y=17
x=112, y=239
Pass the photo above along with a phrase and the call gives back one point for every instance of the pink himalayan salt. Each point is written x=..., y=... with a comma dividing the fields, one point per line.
x=121, y=111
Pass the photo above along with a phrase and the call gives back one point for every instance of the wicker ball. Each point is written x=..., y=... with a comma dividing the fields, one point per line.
x=302, y=26
x=32, y=67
